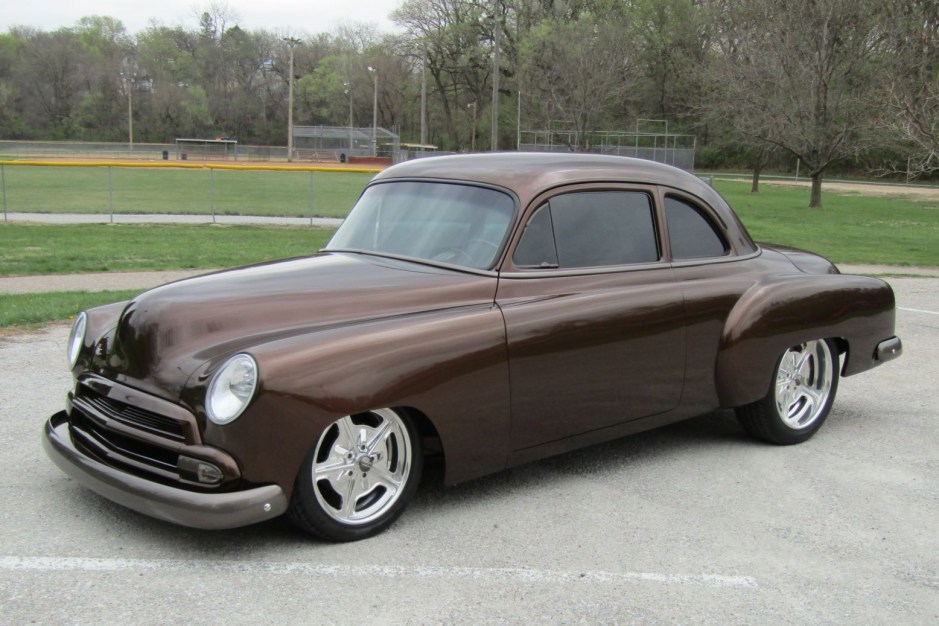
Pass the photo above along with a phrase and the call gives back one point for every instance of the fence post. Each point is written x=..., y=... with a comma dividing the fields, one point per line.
x=110, y=194
x=3, y=184
x=212, y=191
x=311, y=198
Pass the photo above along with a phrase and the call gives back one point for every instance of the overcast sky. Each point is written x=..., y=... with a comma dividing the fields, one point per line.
x=288, y=16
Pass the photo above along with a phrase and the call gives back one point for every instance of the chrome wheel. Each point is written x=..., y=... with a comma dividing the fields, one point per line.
x=803, y=383
x=361, y=466
x=801, y=391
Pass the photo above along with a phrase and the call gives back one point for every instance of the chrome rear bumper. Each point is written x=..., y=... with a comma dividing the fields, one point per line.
x=888, y=349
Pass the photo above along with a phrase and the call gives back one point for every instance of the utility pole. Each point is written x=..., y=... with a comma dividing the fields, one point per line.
x=129, y=85
x=348, y=87
x=291, y=41
x=496, y=28
x=424, y=99
x=473, y=140
x=374, y=71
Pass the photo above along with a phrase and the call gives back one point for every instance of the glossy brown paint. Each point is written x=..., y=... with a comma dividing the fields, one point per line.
x=504, y=366
x=164, y=334
x=448, y=365
x=592, y=350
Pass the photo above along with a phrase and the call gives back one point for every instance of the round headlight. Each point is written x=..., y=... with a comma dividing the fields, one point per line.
x=77, y=338
x=231, y=389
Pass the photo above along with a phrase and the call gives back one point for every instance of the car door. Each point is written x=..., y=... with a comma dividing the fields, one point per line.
x=594, y=321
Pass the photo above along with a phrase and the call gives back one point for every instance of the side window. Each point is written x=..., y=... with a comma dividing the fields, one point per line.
x=590, y=229
x=537, y=249
x=691, y=235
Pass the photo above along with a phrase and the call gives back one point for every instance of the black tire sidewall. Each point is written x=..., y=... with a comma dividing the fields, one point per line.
x=307, y=513
x=777, y=428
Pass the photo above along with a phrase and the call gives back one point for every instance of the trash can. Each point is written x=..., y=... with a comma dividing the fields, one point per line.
x=342, y=157
x=166, y=155
x=184, y=156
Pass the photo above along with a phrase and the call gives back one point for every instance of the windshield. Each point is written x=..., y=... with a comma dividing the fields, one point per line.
x=442, y=222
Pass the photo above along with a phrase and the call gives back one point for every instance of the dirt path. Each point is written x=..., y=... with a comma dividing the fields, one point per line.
x=867, y=189
x=103, y=281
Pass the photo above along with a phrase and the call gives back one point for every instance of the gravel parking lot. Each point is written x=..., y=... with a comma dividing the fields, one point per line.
x=693, y=523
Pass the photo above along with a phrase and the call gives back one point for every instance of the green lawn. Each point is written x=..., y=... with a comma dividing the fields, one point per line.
x=30, y=309
x=38, y=189
x=849, y=229
x=27, y=249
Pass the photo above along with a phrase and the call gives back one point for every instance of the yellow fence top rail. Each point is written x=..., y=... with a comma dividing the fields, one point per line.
x=197, y=166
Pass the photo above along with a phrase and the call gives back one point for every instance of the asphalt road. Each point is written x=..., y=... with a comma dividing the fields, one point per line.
x=689, y=524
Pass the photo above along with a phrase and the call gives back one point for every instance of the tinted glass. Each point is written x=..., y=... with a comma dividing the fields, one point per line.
x=603, y=228
x=448, y=223
x=691, y=235
x=537, y=249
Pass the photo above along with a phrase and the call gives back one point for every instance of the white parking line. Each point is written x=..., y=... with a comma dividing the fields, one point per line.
x=512, y=574
x=903, y=308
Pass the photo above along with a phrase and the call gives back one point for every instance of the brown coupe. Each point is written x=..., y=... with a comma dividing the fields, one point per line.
x=488, y=309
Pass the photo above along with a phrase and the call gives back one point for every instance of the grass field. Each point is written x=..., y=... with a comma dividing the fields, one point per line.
x=30, y=309
x=37, y=189
x=27, y=249
x=849, y=229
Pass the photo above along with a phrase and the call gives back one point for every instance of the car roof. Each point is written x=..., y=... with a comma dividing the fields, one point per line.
x=529, y=174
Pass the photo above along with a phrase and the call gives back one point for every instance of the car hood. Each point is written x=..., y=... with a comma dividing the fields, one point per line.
x=163, y=335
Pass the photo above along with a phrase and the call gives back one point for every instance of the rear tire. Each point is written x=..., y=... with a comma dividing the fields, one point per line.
x=804, y=384
x=359, y=477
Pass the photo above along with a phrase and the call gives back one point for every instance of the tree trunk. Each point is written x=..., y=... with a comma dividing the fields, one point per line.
x=755, y=185
x=816, y=201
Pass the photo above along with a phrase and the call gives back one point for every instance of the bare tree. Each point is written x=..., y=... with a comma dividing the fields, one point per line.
x=797, y=74
x=577, y=72
x=911, y=111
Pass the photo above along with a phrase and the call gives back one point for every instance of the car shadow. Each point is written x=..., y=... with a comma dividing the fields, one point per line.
x=714, y=429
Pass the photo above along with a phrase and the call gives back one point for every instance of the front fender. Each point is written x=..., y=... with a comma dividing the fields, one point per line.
x=450, y=365
x=783, y=311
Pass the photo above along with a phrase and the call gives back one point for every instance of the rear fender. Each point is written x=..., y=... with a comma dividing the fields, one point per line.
x=780, y=312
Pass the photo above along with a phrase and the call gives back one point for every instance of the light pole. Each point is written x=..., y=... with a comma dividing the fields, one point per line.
x=424, y=99
x=291, y=41
x=374, y=71
x=494, y=139
x=128, y=79
x=348, y=87
x=472, y=105
x=518, y=122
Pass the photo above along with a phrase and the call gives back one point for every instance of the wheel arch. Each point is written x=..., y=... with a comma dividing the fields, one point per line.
x=433, y=443
x=448, y=371
x=781, y=312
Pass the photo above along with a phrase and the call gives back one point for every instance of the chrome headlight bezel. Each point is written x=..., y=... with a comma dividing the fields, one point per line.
x=231, y=389
x=76, y=339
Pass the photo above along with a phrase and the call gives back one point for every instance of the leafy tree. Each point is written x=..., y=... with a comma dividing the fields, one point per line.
x=576, y=73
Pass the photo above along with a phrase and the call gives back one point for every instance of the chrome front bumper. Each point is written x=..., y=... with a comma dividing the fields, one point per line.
x=187, y=508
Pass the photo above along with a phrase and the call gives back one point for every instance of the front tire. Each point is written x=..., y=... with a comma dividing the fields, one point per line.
x=805, y=381
x=359, y=477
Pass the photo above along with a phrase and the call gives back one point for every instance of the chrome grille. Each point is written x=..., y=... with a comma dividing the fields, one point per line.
x=134, y=417
x=126, y=436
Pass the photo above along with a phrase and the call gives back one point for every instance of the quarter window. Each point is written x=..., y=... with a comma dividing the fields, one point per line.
x=690, y=233
x=590, y=229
